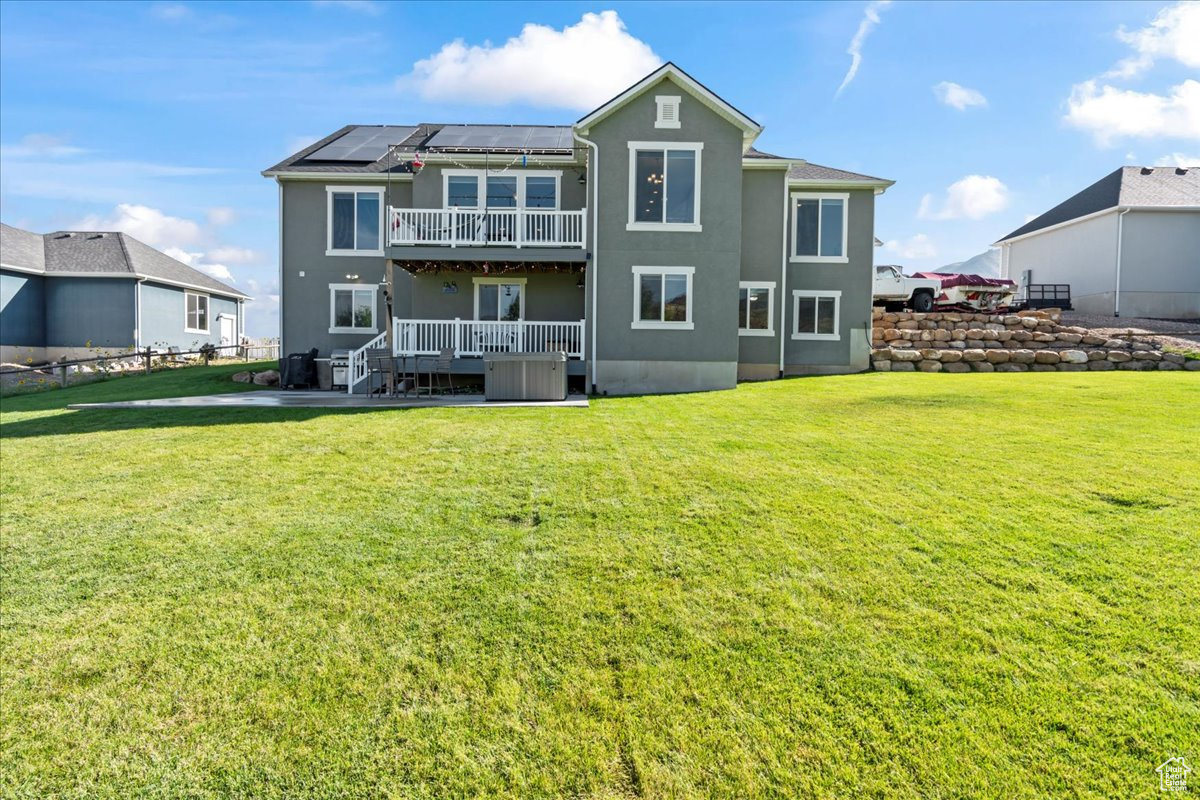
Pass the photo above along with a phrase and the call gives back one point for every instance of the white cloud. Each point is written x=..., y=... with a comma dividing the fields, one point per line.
x=579, y=67
x=917, y=246
x=361, y=6
x=40, y=145
x=199, y=260
x=235, y=255
x=221, y=215
x=148, y=225
x=973, y=197
x=959, y=97
x=1178, y=160
x=1173, y=34
x=869, y=21
x=1109, y=113
x=170, y=12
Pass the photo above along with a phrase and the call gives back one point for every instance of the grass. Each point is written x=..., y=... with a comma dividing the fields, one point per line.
x=880, y=585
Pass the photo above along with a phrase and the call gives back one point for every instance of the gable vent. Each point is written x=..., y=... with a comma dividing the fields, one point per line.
x=668, y=111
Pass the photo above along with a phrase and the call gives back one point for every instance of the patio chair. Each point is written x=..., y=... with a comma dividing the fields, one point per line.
x=380, y=362
x=437, y=366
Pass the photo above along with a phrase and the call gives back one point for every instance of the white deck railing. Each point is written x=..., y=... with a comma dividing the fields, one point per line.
x=497, y=227
x=358, y=361
x=419, y=337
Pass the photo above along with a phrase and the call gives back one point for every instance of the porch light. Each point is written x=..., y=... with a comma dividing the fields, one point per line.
x=582, y=178
x=350, y=277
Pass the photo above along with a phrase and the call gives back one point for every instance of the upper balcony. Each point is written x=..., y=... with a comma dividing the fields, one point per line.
x=491, y=227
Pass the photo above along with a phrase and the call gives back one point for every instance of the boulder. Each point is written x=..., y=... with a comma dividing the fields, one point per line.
x=1174, y=358
x=1010, y=367
x=1141, y=346
x=907, y=325
x=1046, y=357
x=1137, y=365
x=1096, y=355
x=941, y=336
x=973, y=355
x=1021, y=356
x=268, y=378
x=1149, y=355
x=1073, y=357
x=242, y=377
x=974, y=344
x=951, y=356
x=1070, y=338
x=904, y=356
x=959, y=367
x=1021, y=336
x=1168, y=365
x=882, y=366
x=1067, y=367
x=998, y=356
x=957, y=345
x=1004, y=336
x=1192, y=365
x=929, y=366
x=1029, y=323
x=983, y=366
x=891, y=333
x=1116, y=344
x=1011, y=320
x=931, y=354
x=958, y=335
x=1101, y=366
x=1118, y=357
x=1040, y=336
x=903, y=366
x=1043, y=367
x=1091, y=339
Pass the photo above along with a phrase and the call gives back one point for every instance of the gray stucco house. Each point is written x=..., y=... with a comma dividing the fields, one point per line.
x=69, y=294
x=1127, y=245
x=649, y=240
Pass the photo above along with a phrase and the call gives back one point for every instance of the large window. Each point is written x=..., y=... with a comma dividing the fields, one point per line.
x=815, y=314
x=355, y=221
x=500, y=299
x=662, y=297
x=195, y=308
x=351, y=308
x=472, y=188
x=756, y=308
x=819, y=232
x=664, y=186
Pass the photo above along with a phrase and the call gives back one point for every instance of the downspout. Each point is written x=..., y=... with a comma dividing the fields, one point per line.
x=137, y=314
x=1117, y=288
x=783, y=275
x=594, y=181
x=280, y=184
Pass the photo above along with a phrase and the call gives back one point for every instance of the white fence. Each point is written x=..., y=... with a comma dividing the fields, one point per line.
x=473, y=227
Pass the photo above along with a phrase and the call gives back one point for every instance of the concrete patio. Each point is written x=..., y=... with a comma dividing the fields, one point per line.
x=304, y=399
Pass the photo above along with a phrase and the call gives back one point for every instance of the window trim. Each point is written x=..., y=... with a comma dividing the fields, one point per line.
x=477, y=282
x=355, y=190
x=481, y=176
x=662, y=325
x=770, y=287
x=207, y=312
x=334, y=288
x=794, y=257
x=661, y=102
x=689, y=227
x=836, y=294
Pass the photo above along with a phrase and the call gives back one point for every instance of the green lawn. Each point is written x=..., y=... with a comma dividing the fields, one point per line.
x=886, y=585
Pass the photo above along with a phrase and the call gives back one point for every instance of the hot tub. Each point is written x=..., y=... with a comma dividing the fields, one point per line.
x=525, y=376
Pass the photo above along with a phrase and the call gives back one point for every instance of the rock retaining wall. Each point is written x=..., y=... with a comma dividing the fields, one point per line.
x=1029, y=341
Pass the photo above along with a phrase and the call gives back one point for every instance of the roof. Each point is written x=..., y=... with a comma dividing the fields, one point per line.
x=750, y=128
x=808, y=173
x=101, y=253
x=1125, y=187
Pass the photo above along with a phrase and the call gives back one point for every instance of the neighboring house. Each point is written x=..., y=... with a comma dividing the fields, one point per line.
x=70, y=293
x=1128, y=245
x=649, y=240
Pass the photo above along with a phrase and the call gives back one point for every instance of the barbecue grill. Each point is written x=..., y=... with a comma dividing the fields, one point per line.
x=339, y=361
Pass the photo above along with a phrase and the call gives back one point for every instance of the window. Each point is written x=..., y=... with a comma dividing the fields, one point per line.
x=195, y=312
x=815, y=315
x=668, y=111
x=472, y=188
x=662, y=297
x=355, y=221
x=500, y=299
x=756, y=308
x=664, y=186
x=820, y=227
x=351, y=308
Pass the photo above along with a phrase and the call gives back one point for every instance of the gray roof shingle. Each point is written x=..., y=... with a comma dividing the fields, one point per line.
x=815, y=172
x=1127, y=187
x=102, y=253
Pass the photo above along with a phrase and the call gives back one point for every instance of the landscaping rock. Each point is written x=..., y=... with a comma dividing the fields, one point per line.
x=1072, y=367
x=1101, y=366
x=1118, y=357
x=1168, y=365
x=1043, y=367
x=903, y=366
x=973, y=355
x=1010, y=367
x=956, y=367
x=929, y=366
x=1073, y=356
x=1022, y=356
x=1096, y=355
x=1174, y=358
x=1116, y=344
x=1070, y=338
x=984, y=366
x=1044, y=337
x=1091, y=339
x=242, y=377
x=882, y=366
x=1138, y=365
x=1192, y=365
x=931, y=354
x=268, y=378
x=1046, y=357
x=904, y=356
x=951, y=356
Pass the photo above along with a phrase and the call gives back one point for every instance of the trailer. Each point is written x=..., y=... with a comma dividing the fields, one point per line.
x=972, y=292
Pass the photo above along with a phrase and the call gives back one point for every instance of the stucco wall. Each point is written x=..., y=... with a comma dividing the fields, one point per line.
x=762, y=252
x=548, y=297
x=163, y=318
x=90, y=312
x=628, y=358
x=427, y=188
x=1083, y=255
x=22, y=309
x=1160, y=264
x=851, y=351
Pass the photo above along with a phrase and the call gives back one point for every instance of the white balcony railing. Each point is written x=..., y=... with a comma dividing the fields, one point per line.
x=475, y=337
x=496, y=227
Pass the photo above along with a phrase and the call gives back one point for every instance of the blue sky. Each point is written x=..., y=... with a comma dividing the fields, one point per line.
x=157, y=118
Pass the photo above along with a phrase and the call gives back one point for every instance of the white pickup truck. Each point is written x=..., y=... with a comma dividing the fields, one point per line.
x=894, y=288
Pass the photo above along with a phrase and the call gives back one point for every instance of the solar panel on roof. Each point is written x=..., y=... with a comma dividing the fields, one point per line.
x=502, y=137
x=365, y=143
